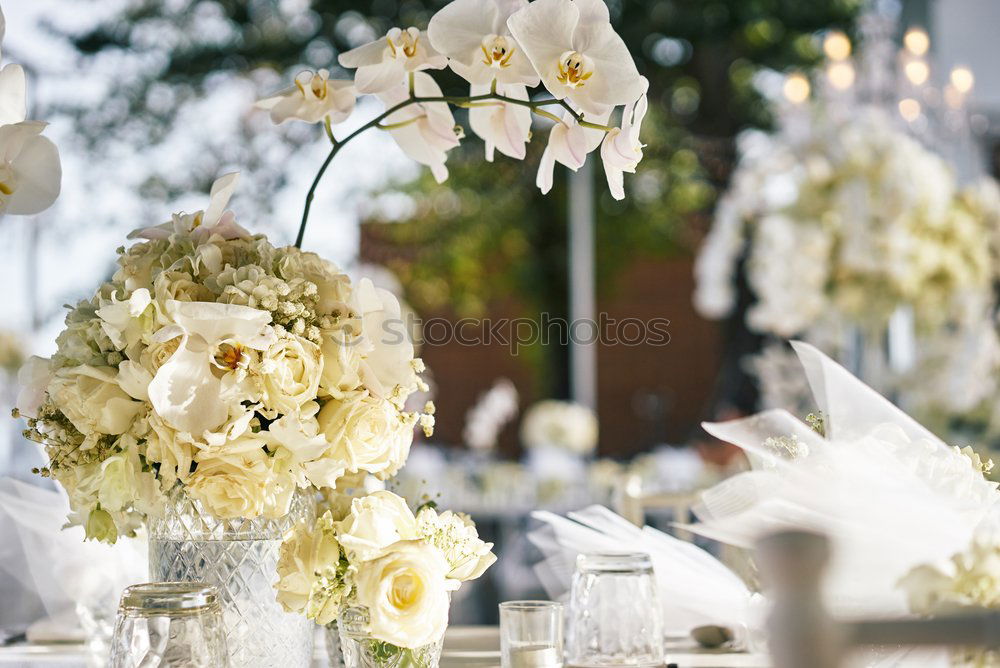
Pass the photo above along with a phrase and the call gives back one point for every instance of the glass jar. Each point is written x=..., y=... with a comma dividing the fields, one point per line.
x=615, y=617
x=360, y=650
x=240, y=557
x=176, y=624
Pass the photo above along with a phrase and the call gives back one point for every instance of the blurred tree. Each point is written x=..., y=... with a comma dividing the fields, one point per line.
x=487, y=233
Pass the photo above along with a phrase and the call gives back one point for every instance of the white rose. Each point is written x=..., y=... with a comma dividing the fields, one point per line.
x=307, y=571
x=386, y=346
x=375, y=522
x=157, y=353
x=367, y=433
x=291, y=369
x=166, y=447
x=341, y=363
x=456, y=536
x=334, y=287
x=181, y=286
x=92, y=400
x=241, y=485
x=124, y=484
x=405, y=589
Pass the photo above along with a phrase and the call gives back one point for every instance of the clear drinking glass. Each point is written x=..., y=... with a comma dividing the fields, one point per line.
x=176, y=624
x=615, y=617
x=531, y=634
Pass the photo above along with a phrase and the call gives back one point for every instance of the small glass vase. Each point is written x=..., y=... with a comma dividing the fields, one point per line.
x=360, y=650
x=239, y=556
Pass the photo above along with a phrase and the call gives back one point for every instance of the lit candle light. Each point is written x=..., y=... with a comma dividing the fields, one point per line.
x=917, y=71
x=796, y=88
x=535, y=657
x=909, y=109
x=962, y=79
x=840, y=75
x=837, y=46
x=916, y=41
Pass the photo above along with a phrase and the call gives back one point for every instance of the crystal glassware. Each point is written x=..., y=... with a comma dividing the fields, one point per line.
x=360, y=650
x=615, y=617
x=240, y=557
x=531, y=634
x=176, y=624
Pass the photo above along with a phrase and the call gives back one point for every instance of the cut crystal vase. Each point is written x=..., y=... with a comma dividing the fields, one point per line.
x=360, y=650
x=239, y=556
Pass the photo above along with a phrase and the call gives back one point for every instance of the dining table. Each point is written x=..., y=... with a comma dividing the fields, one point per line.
x=473, y=646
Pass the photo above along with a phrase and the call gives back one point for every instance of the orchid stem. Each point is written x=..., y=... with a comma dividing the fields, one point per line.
x=535, y=106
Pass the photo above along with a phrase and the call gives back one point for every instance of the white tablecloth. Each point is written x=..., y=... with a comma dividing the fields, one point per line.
x=464, y=646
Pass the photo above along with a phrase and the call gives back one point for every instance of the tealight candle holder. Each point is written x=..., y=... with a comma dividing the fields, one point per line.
x=531, y=634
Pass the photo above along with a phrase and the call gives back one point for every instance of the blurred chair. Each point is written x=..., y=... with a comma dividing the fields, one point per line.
x=804, y=635
x=632, y=502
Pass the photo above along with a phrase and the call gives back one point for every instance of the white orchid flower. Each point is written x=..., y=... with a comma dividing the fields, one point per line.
x=13, y=93
x=30, y=172
x=504, y=127
x=474, y=35
x=314, y=97
x=194, y=389
x=385, y=63
x=569, y=144
x=426, y=131
x=200, y=225
x=577, y=53
x=621, y=150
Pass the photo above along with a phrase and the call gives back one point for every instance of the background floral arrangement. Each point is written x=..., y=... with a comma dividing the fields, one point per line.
x=378, y=554
x=562, y=425
x=216, y=361
x=852, y=220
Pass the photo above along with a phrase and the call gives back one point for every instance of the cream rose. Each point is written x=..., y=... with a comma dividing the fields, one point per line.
x=405, y=589
x=291, y=369
x=341, y=363
x=375, y=522
x=333, y=287
x=307, y=571
x=124, y=484
x=367, y=433
x=181, y=286
x=241, y=485
x=92, y=400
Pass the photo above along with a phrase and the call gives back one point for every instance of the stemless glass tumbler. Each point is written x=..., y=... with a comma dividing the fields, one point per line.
x=531, y=634
x=175, y=624
x=615, y=617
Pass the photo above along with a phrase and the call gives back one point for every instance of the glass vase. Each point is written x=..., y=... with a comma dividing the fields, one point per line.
x=360, y=650
x=239, y=556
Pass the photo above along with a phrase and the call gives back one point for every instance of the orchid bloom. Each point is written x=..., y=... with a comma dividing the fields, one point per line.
x=193, y=389
x=621, y=150
x=474, y=35
x=30, y=172
x=577, y=53
x=384, y=63
x=202, y=224
x=426, y=131
x=569, y=144
x=504, y=127
x=314, y=97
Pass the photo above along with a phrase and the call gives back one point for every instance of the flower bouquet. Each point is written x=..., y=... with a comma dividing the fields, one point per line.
x=216, y=383
x=206, y=389
x=384, y=572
